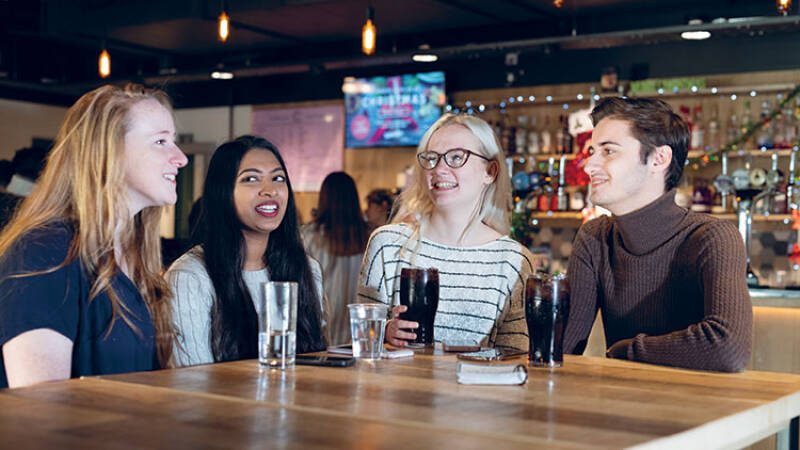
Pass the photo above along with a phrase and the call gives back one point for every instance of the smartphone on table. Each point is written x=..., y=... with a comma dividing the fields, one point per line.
x=460, y=345
x=491, y=354
x=324, y=360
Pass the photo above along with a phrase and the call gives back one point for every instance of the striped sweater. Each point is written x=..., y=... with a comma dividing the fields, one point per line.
x=480, y=288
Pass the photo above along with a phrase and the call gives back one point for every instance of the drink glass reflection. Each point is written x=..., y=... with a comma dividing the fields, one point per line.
x=546, y=311
x=419, y=291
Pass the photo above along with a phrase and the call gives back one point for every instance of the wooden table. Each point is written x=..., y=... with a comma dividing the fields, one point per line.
x=407, y=403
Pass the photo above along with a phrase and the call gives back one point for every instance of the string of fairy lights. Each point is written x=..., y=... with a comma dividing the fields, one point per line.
x=711, y=155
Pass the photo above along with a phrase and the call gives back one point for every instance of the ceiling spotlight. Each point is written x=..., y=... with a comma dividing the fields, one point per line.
x=695, y=35
x=104, y=64
x=425, y=57
x=698, y=35
x=368, y=33
x=784, y=6
x=221, y=75
x=223, y=29
x=558, y=3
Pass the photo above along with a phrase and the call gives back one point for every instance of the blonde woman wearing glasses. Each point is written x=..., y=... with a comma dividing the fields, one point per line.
x=455, y=218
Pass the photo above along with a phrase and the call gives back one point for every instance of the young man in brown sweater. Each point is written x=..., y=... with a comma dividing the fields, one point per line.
x=670, y=282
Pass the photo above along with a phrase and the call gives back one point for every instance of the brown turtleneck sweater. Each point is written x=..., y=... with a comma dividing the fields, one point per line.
x=671, y=279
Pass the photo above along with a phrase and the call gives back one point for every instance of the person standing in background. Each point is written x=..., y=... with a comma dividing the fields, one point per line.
x=337, y=238
x=379, y=208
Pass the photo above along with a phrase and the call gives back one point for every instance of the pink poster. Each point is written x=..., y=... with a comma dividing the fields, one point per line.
x=310, y=139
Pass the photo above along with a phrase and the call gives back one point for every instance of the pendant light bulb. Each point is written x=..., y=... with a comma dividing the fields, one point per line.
x=368, y=34
x=784, y=6
x=224, y=26
x=104, y=64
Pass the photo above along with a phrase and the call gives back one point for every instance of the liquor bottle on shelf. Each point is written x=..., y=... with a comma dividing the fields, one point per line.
x=546, y=138
x=701, y=196
x=698, y=129
x=714, y=138
x=776, y=197
x=791, y=186
x=565, y=140
x=562, y=198
x=546, y=197
x=723, y=184
x=734, y=130
x=747, y=124
x=533, y=138
x=521, y=136
x=764, y=135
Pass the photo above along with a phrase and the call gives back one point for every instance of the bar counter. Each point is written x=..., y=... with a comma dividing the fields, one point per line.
x=405, y=403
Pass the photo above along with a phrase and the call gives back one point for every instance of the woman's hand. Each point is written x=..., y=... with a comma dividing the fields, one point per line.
x=394, y=328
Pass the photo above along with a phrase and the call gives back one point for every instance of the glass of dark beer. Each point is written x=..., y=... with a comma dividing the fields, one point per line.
x=419, y=291
x=546, y=311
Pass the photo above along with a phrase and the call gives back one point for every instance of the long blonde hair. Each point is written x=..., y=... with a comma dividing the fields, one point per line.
x=494, y=208
x=81, y=184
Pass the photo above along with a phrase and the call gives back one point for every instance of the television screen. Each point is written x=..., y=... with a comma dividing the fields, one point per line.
x=391, y=111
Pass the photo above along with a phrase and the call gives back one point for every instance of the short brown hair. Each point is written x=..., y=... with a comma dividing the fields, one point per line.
x=653, y=124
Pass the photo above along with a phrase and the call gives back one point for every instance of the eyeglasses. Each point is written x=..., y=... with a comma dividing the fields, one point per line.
x=454, y=158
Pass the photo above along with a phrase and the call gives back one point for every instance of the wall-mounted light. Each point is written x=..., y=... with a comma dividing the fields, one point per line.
x=104, y=64
x=424, y=57
x=368, y=33
x=784, y=6
x=223, y=26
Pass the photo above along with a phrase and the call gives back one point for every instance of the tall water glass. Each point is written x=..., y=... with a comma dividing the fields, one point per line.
x=277, y=324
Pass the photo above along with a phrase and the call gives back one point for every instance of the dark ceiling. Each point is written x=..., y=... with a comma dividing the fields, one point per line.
x=281, y=50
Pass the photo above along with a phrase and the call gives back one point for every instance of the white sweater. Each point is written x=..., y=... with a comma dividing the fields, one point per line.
x=481, y=288
x=193, y=293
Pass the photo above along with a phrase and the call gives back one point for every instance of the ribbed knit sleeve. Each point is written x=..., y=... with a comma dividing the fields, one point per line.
x=721, y=341
x=193, y=296
x=583, y=285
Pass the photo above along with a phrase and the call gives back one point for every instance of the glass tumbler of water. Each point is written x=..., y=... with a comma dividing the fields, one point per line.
x=277, y=324
x=367, y=322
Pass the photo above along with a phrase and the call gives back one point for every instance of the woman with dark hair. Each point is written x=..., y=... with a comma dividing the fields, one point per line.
x=249, y=235
x=337, y=238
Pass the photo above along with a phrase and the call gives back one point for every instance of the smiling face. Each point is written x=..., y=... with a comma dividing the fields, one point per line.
x=151, y=158
x=620, y=182
x=460, y=188
x=261, y=192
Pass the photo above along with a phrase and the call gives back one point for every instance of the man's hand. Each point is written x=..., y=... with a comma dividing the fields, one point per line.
x=619, y=350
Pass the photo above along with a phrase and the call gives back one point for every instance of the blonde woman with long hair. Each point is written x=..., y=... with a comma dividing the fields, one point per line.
x=455, y=217
x=80, y=263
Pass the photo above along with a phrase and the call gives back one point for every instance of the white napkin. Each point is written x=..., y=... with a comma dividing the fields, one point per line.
x=507, y=374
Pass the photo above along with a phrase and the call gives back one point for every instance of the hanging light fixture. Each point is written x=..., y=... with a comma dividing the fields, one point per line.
x=558, y=3
x=368, y=33
x=784, y=6
x=104, y=63
x=223, y=24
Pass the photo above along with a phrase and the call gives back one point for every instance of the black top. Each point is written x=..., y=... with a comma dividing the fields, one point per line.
x=59, y=301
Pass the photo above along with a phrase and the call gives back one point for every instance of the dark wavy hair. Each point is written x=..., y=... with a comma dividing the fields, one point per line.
x=234, y=322
x=339, y=215
x=653, y=124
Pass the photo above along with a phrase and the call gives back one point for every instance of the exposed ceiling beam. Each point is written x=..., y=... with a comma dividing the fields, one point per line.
x=473, y=10
x=534, y=9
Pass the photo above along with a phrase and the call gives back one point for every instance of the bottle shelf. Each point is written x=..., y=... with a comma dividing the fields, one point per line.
x=767, y=152
x=575, y=216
